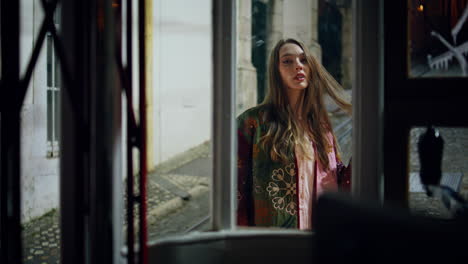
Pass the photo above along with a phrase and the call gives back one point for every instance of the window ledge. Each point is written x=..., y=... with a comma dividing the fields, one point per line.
x=211, y=236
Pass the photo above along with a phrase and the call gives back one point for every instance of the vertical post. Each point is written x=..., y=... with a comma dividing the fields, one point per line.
x=367, y=99
x=10, y=186
x=105, y=126
x=224, y=186
x=150, y=159
x=131, y=135
x=90, y=154
x=74, y=136
x=142, y=98
x=10, y=231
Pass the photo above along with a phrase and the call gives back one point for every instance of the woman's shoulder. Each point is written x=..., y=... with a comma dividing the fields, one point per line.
x=252, y=118
x=255, y=112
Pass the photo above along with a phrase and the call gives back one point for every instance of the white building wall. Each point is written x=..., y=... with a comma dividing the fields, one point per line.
x=182, y=95
x=182, y=76
x=39, y=174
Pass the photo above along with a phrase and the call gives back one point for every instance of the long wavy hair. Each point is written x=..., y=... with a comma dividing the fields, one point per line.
x=285, y=130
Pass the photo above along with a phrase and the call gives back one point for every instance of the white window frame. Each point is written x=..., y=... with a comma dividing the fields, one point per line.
x=224, y=184
x=367, y=98
x=367, y=173
x=54, y=89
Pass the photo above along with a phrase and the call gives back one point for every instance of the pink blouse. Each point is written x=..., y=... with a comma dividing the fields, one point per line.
x=326, y=181
x=306, y=186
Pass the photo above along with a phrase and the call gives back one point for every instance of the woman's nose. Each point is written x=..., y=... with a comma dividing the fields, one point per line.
x=299, y=66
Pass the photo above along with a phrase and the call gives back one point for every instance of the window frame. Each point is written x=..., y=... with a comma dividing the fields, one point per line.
x=367, y=177
x=366, y=49
x=53, y=87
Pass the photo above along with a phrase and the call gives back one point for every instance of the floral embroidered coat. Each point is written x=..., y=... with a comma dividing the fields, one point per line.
x=268, y=190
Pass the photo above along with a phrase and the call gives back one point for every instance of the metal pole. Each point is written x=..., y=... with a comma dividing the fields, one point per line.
x=223, y=200
x=75, y=134
x=142, y=97
x=105, y=95
x=131, y=137
x=10, y=242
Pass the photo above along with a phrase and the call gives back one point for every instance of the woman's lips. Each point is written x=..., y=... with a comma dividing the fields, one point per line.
x=300, y=77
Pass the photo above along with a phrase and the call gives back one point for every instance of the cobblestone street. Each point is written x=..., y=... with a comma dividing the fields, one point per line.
x=177, y=199
x=41, y=239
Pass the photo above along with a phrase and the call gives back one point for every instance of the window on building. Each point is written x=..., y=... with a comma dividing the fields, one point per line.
x=53, y=95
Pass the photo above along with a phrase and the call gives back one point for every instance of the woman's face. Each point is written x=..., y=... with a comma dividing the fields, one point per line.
x=293, y=67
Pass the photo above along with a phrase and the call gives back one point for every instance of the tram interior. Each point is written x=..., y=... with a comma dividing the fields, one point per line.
x=372, y=224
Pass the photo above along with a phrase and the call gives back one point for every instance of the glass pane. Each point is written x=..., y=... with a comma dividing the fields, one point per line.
x=438, y=38
x=39, y=168
x=453, y=166
x=178, y=184
x=324, y=29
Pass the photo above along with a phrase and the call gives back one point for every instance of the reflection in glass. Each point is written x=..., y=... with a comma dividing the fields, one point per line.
x=454, y=170
x=438, y=38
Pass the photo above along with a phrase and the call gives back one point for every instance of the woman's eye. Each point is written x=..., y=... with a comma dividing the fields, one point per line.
x=287, y=61
x=303, y=60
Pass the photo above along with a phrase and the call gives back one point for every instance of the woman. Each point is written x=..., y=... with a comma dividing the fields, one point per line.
x=287, y=152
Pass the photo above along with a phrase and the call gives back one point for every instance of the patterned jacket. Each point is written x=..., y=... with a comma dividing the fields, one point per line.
x=268, y=190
